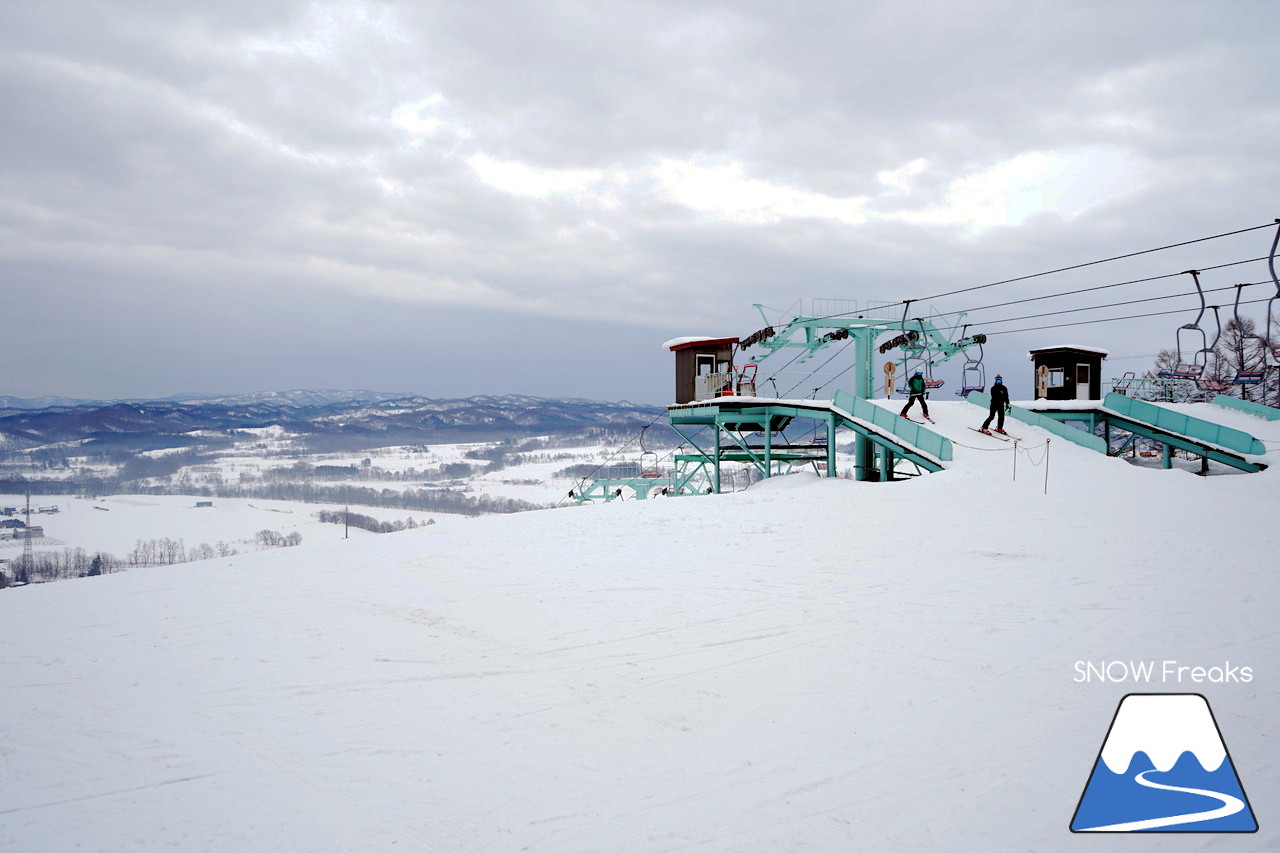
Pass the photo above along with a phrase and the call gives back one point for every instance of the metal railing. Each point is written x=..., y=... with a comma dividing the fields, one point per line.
x=708, y=386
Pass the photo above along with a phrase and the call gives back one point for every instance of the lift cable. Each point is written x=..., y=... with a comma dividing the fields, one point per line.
x=907, y=302
x=1097, y=287
x=986, y=323
x=1107, y=319
x=820, y=366
x=1095, y=263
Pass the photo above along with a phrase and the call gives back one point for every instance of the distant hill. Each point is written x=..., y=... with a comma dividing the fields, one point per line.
x=335, y=417
x=296, y=397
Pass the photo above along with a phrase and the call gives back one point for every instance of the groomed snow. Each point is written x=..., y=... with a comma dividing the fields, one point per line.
x=807, y=665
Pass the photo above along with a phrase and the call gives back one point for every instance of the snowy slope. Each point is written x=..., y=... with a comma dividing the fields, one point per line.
x=807, y=665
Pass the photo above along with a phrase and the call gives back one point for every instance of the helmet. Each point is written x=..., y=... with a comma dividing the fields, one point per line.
x=998, y=378
x=917, y=373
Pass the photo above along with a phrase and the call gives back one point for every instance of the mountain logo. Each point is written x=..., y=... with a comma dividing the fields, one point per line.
x=1163, y=768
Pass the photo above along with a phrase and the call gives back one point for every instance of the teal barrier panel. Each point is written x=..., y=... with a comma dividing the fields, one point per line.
x=1044, y=422
x=911, y=433
x=1177, y=423
x=1245, y=406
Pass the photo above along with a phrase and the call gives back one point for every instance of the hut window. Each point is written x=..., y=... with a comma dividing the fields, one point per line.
x=706, y=364
x=1055, y=378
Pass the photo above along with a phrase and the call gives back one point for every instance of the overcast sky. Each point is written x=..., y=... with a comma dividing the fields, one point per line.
x=530, y=197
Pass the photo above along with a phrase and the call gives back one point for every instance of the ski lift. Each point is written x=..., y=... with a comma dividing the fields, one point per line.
x=648, y=459
x=1127, y=384
x=925, y=359
x=1247, y=377
x=1190, y=369
x=747, y=379
x=973, y=376
x=1273, y=341
x=1211, y=383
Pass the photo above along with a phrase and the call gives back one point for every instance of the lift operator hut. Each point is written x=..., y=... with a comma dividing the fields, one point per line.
x=1068, y=372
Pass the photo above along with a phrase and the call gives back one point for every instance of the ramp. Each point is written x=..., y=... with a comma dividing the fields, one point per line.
x=898, y=435
x=1247, y=407
x=1206, y=439
x=1081, y=437
x=1175, y=429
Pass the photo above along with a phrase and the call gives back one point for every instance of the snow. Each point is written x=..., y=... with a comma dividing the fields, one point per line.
x=1099, y=350
x=115, y=524
x=810, y=664
x=692, y=339
x=1163, y=727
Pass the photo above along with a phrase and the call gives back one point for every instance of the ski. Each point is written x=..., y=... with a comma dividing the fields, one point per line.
x=993, y=434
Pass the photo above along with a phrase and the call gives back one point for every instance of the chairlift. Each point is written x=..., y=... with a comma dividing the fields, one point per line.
x=747, y=379
x=1190, y=369
x=1247, y=377
x=648, y=459
x=926, y=363
x=973, y=376
x=1210, y=382
x=1273, y=341
x=1127, y=384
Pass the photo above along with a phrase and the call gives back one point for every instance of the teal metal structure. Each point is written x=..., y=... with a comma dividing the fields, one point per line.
x=608, y=489
x=720, y=430
x=1206, y=439
x=725, y=428
x=818, y=329
x=1256, y=409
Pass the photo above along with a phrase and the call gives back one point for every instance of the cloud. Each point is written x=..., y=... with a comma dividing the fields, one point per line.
x=725, y=191
x=1066, y=184
x=532, y=182
x=652, y=164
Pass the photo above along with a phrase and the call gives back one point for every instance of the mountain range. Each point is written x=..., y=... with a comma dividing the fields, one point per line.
x=359, y=416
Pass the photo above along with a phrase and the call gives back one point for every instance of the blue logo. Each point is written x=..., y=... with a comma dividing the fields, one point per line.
x=1163, y=768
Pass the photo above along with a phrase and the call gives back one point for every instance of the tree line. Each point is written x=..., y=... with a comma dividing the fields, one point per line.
x=49, y=565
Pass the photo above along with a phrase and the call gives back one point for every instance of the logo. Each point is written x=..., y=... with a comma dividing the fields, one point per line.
x=1163, y=767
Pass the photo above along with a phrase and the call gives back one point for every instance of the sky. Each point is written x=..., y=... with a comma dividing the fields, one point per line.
x=454, y=199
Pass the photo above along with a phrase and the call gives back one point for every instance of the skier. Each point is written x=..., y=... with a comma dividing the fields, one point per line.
x=915, y=387
x=999, y=405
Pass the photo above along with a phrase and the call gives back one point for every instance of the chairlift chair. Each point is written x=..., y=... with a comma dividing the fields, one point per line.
x=1247, y=377
x=1273, y=341
x=648, y=459
x=1210, y=383
x=1189, y=369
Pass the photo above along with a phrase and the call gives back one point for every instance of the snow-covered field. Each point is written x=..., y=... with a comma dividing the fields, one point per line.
x=807, y=665
x=114, y=524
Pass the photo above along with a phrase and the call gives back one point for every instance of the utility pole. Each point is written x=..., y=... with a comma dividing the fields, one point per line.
x=28, y=555
x=346, y=522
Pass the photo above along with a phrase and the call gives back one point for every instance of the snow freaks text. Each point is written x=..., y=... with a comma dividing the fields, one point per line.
x=1162, y=672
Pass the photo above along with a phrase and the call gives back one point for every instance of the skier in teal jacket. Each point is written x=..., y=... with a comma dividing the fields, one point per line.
x=915, y=387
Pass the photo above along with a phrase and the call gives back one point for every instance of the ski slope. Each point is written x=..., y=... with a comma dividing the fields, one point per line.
x=807, y=665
